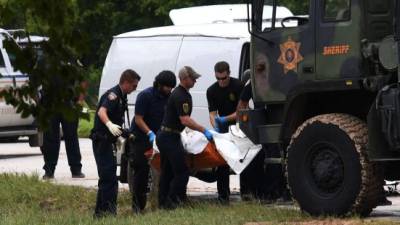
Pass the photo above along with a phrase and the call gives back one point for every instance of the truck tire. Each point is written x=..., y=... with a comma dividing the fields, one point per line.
x=327, y=166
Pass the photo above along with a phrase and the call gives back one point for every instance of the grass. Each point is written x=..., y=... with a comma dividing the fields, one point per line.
x=27, y=200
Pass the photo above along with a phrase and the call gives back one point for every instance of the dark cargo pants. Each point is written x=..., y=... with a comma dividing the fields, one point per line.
x=51, y=144
x=141, y=170
x=174, y=171
x=106, y=202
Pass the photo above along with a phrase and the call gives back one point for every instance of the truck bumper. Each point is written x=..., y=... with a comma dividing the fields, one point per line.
x=255, y=125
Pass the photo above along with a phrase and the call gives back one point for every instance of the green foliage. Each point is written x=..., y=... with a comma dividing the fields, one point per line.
x=85, y=126
x=79, y=30
x=297, y=7
x=56, y=72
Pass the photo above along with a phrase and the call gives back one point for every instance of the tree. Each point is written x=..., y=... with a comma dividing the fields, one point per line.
x=57, y=65
x=79, y=29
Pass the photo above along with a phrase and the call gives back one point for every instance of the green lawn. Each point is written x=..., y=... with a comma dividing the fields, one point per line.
x=27, y=200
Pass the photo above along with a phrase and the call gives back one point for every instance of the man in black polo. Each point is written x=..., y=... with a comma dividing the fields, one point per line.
x=223, y=97
x=107, y=127
x=149, y=112
x=174, y=171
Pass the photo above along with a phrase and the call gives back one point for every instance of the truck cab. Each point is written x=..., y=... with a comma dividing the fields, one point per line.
x=325, y=87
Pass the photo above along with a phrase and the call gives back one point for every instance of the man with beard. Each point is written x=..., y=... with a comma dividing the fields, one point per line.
x=149, y=111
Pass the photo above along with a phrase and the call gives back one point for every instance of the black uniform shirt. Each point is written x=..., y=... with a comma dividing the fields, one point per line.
x=150, y=104
x=179, y=104
x=224, y=99
x=115, y=103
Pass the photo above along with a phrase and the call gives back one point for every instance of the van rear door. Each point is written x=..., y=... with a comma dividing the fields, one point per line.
x=148, y=56
x=201, y=53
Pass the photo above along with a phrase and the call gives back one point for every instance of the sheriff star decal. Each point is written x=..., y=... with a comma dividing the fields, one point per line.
x=290, y=55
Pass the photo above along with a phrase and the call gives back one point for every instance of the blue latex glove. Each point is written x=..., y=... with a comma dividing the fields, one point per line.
x=208, y=135
x=220, y=120
x=151, y=136
x=216, y=129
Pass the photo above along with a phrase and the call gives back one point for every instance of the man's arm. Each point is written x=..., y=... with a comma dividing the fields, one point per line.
x=113, y=128
x=189, y=122
x=231, y=117
x=102, y=113
x=141, y=124
x=84, y=86
x=213, y=114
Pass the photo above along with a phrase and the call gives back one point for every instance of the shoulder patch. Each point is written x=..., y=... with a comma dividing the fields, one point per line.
x=232, y=97
x=185, y=107
x=112, y=96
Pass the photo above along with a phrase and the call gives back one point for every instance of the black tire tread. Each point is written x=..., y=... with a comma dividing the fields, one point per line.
x=372, y=179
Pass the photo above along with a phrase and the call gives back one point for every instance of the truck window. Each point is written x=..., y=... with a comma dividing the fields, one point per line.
x=287, y=15
x=336, y=10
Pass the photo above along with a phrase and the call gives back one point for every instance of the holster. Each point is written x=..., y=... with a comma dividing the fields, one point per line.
x=97, y=136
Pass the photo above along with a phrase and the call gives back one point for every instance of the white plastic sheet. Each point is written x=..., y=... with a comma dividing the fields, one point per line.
x=237, y=150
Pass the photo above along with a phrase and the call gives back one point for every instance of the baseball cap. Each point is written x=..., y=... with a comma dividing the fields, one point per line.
x=188, y=71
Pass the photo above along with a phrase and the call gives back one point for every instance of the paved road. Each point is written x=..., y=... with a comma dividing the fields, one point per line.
x=20, y=158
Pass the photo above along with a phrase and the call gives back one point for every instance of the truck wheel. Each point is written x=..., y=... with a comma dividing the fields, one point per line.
x=328, y=170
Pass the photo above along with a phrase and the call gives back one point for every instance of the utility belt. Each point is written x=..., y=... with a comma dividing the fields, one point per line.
x=98, y=136
x=167, y=129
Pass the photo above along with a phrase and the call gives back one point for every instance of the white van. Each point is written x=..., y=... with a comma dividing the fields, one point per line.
x=12, y=125
x=199, y=44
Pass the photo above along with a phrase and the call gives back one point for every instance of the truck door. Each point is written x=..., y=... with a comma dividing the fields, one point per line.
x=338, y=39
x=285, y=55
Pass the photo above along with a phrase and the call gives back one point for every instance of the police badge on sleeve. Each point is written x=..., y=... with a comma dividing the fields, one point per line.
x=232, y=97
x=112, y=96
x=185, y=107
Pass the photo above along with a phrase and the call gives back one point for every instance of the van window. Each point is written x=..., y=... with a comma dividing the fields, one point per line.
x=2, y=64
x=336, y=10
x=12, y=57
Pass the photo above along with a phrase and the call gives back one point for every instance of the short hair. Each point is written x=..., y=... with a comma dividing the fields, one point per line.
x=165, y=78
x=188, y=71
x=221, y=67
x=129, y=76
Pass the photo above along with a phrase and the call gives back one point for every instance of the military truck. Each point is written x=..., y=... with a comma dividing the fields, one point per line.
x=330, y=90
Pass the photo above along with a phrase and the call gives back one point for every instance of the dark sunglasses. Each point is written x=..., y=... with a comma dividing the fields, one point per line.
x=221, y=78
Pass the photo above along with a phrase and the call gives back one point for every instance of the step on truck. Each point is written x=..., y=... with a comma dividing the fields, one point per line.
x=329, y=96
